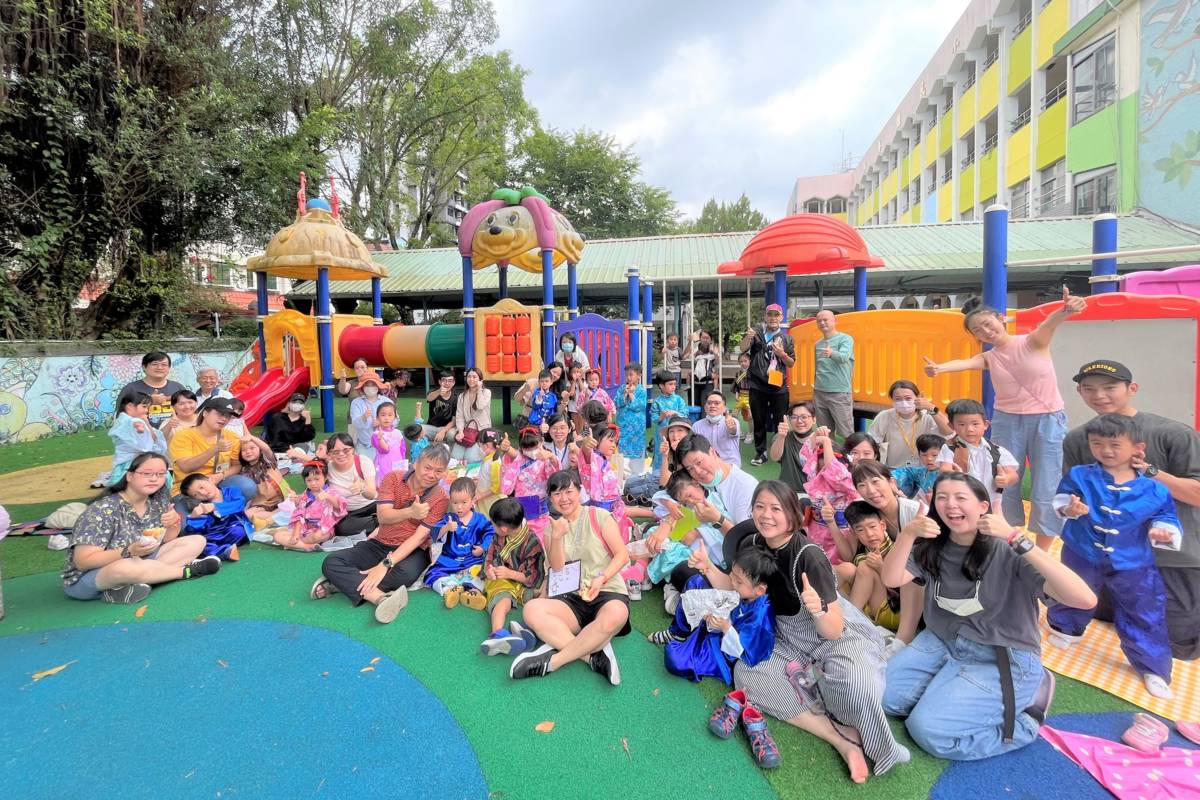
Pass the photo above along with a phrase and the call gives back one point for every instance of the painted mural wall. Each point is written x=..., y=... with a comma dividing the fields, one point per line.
x=63, y=394
x=1169, y=109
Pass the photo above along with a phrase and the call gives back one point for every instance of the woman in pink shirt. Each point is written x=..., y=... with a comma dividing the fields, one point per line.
x=1029, y=419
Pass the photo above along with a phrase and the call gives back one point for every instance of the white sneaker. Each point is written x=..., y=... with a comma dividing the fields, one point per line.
x=670, y=598
x=58, y=542
x=635, y=589
x=1062, y=640
x=1158, y=687
x=391, y=605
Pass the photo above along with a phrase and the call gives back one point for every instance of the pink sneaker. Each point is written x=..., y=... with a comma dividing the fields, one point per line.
x=1146, y=734
x=1189, y=730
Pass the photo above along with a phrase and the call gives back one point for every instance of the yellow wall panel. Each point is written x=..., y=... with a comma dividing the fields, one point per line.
x=1020, y=60
x=989, y=178
x=1052, y=24
x=906, y=217
x=1018, y=167
x=966, y=112
x=945, y=199
x=842, y=217
x=989, y=89
x=1052, y=133
x=904, y=169
x=945, y=132
x=966, y=188
x=931, y=147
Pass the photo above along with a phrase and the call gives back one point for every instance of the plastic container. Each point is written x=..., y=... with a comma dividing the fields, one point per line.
x=491, y=325
x=524, y=344
x=508, y=345
x=492, y=345
x=524, y=363
x=507, y=326
x=508, y=364
x=493, y=363
x=523, y=324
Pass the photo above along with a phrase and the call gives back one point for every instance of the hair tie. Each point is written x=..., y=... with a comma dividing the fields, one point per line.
x=316, y=462
x=529, y=429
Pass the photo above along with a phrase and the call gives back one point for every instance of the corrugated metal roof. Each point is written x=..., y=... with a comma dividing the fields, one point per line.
x=951, y=247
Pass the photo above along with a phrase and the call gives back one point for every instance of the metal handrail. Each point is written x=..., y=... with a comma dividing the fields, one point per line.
x=989, y=144
x=991, y=59
x=970, y=81
x=1021, y=121
x=968, y=159
x=1023, y=23
x=946, y=176
x=1054, y=95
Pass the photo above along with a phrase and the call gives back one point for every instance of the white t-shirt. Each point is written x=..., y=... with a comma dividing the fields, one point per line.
x=980, y=465
x=737, y=493
x=344, y=480
x=900, y=437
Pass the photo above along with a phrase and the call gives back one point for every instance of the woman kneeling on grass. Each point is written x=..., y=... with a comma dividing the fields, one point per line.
x=972, y=683
x=128, y=539
x=579, y=624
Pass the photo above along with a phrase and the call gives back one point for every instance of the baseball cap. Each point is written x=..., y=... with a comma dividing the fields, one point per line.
x=298, y=396
x=775, y=307
x=1105, y=369
x=219, y=404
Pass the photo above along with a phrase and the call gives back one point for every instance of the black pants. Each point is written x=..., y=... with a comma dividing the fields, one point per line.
x=767, y=408
x=681, y=575
x=342, y=568
x=362, y=520
x=700, y=391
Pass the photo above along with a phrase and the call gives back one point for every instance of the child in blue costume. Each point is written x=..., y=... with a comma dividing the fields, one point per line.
x=132, y=434
x=665, y=406
x=544, y=403
x=465, y=535
x=219, y=515
x=915, y=480
x=747, y=634
x=630, y=402
x=1115, y=516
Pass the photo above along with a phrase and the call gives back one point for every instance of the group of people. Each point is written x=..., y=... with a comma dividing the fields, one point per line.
x=883, y=573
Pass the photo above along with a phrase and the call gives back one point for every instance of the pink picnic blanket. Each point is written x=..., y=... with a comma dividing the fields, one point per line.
x=1170, y=774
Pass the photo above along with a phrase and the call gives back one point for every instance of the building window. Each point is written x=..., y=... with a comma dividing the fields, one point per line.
x=1096, y=192
x=813, y=206
x=1054, y=190
x=837, y=205
x=1020, y=200
x=1095, y=77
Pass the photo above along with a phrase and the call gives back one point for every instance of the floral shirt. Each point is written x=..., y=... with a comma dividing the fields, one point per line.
x=317, y=517
x=602, y=482
x=831, y=484
x=112, y=524
x=631, y=419
x=600, y=396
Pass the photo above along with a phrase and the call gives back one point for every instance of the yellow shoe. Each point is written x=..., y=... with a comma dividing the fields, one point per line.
x=452, y=596
x=474, y=599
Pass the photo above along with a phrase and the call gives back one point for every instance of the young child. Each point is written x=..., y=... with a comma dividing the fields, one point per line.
x=487, y=479
x=544, y=402
x=389, y=443
x=747, y=634
x=465, y=535
x=318, y=509
x=132, y=434
x=576, y=394
x=217, y=514
x=831, y=489
x=414, y=440
x=363, y=410
x=513, y=570
x=596, y=394
x=631, y=419
x=672, y=358
x=968, y=451
x=741, y=393
x=915, y=480
x=1115, y=516
x=237, y=407
x=664, y=407
x=869, y=544
x=523, y=476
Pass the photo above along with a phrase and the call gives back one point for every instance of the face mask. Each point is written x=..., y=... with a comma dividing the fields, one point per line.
x=960, y=606
x=904, y=406
x=531, y=454
x=370, y=391
x=716, y=481
x=715, y=417
x=567, y=347
x=295, y=408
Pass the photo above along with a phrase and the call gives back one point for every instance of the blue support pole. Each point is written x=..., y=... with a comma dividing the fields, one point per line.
x=325, y=347
x=995, y=277
x=503, y=278
x=572, y=292
x=781, y=290
x=547, y=306
x=469, y=310
x=377, y=300
x=633, y=328
x=647, y=329
x=860, y=288
x=263, y=308
x=1104, y=240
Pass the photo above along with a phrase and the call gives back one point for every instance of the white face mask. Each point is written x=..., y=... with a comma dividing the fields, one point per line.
x=371, y=391
x=958, y=606
x=295, y=408
x=904, y=406
x=531, y=454
x=715, y=417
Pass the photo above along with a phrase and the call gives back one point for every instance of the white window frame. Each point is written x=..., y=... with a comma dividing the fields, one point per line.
x=1094, y=176
x=1078, y=61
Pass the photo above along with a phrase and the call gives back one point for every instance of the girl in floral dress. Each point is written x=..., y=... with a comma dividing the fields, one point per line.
x=523, y=476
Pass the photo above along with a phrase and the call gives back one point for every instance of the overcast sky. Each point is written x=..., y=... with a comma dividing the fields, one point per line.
x=719, y=98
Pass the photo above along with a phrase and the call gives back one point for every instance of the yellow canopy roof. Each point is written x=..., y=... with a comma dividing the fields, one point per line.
x=315, y=240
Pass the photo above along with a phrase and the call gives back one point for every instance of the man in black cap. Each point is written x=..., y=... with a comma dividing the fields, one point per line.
x=1172, y=457
x=291, y=428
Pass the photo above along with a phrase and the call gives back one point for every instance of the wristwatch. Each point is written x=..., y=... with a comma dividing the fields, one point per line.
x=934, y=410
x=388, y=562
x=1150, y=470
x=1022, y=545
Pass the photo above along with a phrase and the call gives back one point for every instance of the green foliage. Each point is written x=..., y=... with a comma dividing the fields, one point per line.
x=239, y=327
x=1182, y=160
x=390, y=312
x=594, y=181
x=726, y=218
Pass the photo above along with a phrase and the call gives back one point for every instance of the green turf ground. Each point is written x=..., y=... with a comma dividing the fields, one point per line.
x=659, y=717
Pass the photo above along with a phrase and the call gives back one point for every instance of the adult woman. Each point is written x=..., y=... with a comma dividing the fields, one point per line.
x=112, y=556
x=972, y=683
x=579, y=624
x=183, y=413
x=473, y=412
x=524, y=395
x=896, y=429
x=1029, y=419
x=570, y=353
x=812, y=625
x=292, y=427
x=210, y=449
x=354, y=477
x=705, y=357
x=347, y=387
x=442, y=406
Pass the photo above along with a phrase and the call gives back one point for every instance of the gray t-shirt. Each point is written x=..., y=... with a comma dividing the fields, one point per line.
x=1009, y=589
x=156, y=414
x=1172, y=447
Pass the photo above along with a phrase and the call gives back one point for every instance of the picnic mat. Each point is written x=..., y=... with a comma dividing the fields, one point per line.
x=66, y=481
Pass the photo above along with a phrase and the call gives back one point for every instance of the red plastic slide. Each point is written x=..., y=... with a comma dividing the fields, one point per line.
x=271, y=392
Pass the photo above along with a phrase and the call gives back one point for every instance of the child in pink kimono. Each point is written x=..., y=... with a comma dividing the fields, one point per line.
x=523, y=476
x=388, y=442
x=600, y=473
x=318, y=509
x=831, y=489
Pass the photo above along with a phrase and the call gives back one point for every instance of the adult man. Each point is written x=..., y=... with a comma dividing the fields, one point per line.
x=443, y=403
x=210, y=385
x=734, y=486
x=793, y=433
x=832, y=396
x=1172, y=457
x=721, y=428
x=157, y=365
x=771, y=353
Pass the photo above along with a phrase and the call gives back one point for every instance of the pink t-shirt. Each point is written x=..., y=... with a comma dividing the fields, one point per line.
x=1023, y=378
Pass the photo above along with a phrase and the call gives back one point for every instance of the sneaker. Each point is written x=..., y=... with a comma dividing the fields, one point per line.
x=452, y=596
x=1188, y=730
x=529, y=639
x=1157, y=687
x=725, y=718
x=101, y=480
x=663, y=637
x=670, y=598
x=765, y=751
x=1062, y=640
x=1146, y=734
x=604, y=662
x=57, y=541
x=391, y=605
x=209, y=565
x=635, y=589
x=532, y=665
x=1041, y=700
x=748, y=438
x=133, y=593
x=758, y=460
x=473, y=598
x=502, y=642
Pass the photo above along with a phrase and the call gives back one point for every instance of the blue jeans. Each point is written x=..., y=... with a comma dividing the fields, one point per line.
x=951, y=695
x=1038, y=437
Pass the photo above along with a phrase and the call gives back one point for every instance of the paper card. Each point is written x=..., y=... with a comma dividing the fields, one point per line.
x=565, y=580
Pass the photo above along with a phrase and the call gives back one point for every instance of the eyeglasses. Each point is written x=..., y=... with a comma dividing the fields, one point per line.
x=341, y=452
x=152, y=475
x=800, y=417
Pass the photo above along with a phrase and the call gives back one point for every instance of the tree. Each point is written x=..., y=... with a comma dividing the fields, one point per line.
x=726, y=218
x=595, y=182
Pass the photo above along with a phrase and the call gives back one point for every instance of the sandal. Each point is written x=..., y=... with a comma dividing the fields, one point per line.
x=321, y=589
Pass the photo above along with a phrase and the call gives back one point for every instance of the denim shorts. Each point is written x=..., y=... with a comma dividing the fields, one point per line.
x=85, y=587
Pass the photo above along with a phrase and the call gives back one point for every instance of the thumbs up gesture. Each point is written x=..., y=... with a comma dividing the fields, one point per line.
x=1075, y=509
x=1071, y=304
x=931, y=367
x=921, y=527
x=810, y=598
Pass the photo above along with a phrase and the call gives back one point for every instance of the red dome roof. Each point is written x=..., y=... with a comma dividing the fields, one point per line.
x=806, y=244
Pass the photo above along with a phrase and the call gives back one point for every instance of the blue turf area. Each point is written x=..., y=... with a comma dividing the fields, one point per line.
x=333, y=730
x=1039, y=772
